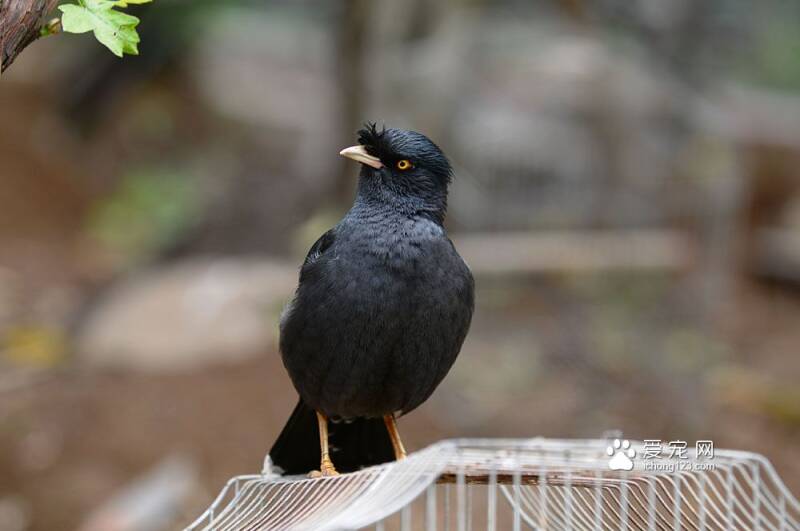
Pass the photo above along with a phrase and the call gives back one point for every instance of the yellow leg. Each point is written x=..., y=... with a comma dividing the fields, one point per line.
x=326, y=467
x=394, y=435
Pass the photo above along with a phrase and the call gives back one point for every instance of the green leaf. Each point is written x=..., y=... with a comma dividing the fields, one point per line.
x=114, y=29
x=75, y=19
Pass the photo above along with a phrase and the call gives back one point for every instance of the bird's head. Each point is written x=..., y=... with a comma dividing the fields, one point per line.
x=404, y=168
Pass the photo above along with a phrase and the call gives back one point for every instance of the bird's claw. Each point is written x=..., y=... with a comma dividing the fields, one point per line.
x=326, y=469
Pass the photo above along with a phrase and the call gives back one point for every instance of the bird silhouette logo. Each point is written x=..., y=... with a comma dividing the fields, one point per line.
x=621, y=455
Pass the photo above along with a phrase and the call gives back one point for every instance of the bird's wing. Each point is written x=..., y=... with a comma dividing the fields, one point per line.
x=314, y=254
x=317, y=250
x=320, y=246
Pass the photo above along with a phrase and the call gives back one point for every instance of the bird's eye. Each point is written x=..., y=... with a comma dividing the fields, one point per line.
x=403, y=164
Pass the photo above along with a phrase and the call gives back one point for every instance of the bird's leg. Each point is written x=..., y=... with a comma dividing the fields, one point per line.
x=326, y=467
x=394, y=435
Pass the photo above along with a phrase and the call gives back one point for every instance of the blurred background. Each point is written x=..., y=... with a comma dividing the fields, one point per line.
x=627, y=193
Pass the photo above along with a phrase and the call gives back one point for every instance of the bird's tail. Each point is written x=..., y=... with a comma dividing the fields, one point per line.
x=352, y=444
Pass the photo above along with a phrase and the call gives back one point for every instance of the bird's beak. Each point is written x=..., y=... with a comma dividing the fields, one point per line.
x=359, y=154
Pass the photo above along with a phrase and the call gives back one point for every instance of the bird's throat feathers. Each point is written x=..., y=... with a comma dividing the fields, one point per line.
x=378, y=193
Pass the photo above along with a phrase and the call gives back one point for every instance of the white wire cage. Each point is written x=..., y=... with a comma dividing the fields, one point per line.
x=539, y=484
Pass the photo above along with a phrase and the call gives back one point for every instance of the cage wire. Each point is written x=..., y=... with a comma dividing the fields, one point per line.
x=540, y=484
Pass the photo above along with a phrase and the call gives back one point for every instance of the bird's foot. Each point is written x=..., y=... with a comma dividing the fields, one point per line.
x=397, y=444
x=326, y=469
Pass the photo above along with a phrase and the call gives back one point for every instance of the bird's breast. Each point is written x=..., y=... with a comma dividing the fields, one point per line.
x=378, y=323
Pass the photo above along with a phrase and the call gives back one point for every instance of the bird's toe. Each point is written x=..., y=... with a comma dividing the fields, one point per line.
x=326, y=470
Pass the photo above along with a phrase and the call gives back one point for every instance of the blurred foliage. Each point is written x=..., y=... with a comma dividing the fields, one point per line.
x=777, y=64
x=37, y=346
x=750, y=390
x=147, y=211
x=691, y=349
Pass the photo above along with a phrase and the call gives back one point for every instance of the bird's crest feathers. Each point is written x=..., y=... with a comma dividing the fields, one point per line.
x=372, y=139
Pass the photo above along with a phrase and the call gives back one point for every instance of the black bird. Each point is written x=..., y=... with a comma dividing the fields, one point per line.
x=382, y=308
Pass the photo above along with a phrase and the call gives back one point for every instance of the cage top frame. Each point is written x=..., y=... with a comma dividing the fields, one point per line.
x=560, y=483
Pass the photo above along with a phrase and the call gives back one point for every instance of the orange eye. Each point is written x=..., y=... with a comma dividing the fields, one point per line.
x=403, y=164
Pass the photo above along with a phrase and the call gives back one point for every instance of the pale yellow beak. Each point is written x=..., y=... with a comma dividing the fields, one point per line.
x=359, y=154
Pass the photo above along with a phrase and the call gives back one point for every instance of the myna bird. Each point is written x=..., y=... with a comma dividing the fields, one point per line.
x=381, y=310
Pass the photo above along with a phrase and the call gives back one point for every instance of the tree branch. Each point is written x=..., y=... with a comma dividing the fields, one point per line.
x=21, y=23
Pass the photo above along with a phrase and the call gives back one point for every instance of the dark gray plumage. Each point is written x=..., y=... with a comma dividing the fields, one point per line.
x=382, y=308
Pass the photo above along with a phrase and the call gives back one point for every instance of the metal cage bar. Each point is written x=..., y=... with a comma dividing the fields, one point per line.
x=517, y=484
